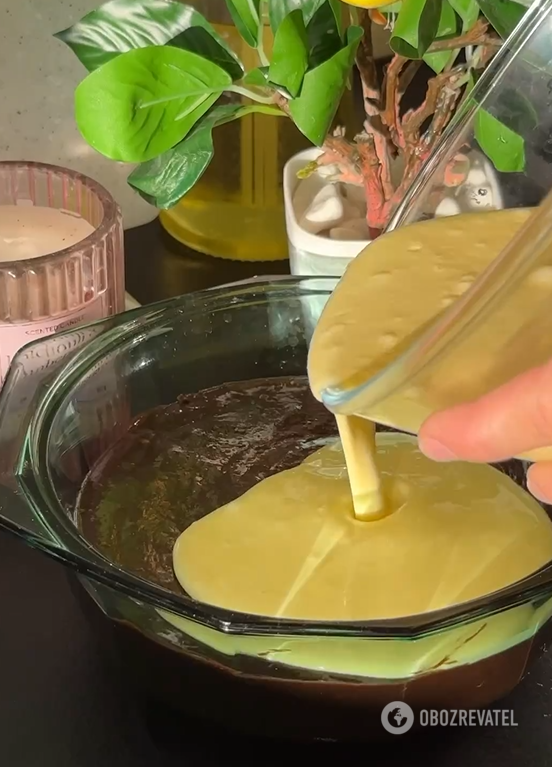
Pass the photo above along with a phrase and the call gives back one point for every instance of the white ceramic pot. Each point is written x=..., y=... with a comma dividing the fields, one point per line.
x=315, y=255
x=41, y=74
x=312, y=255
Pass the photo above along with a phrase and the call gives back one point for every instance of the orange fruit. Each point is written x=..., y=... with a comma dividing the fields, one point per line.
x=369, y=3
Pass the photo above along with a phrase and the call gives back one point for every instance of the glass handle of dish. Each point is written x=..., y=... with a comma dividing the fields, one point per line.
x=24, y=403
x=31, y=371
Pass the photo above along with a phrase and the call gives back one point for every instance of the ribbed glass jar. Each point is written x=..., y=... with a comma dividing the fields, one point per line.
x=52, y=279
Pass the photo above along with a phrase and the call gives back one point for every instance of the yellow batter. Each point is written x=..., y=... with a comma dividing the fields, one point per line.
x=399, y=285
x=393, y=534
x=291, y=546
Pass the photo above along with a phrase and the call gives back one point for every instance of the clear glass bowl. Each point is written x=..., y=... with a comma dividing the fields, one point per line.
x=69, y=398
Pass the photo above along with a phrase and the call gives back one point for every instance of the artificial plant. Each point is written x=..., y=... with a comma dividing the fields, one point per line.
x=161, y=79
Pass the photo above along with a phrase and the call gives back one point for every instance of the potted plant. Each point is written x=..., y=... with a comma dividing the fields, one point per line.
x=160, y=80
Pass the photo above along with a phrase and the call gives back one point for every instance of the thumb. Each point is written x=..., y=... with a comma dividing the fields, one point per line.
x=510, y=420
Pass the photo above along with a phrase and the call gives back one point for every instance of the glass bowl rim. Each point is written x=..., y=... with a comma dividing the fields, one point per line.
x=62, y=540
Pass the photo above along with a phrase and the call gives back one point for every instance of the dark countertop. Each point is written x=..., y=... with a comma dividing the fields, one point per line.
x=60, y=706
x=158, y=267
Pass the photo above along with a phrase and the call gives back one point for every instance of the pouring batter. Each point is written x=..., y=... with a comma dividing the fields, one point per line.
x=291, y=546
x=387, y=298
x=331, y=538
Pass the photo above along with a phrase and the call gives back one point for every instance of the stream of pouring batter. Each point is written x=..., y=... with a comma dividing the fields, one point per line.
x=358, y=439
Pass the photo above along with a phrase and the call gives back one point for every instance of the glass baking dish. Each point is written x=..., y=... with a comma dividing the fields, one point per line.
x=67, y=402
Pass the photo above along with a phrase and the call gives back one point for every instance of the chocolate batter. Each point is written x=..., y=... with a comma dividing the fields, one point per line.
x=180, y=462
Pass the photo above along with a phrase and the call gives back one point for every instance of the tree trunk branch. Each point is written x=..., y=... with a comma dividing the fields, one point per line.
x=373, y=184
x=390, y=115
x=414, y=119
x=477, y=35
x=344, y=156
x=371, y=93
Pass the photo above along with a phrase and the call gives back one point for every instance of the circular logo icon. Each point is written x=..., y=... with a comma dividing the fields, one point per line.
x=397, y=717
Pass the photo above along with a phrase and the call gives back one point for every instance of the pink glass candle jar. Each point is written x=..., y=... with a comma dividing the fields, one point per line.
x=61, y=254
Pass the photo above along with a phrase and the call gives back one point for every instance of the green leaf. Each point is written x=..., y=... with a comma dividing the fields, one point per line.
x=200, y=41
x=504, y=15
x=391, y=8
x=314, y=110
x=279, y=9
x=323, y=20
x=290, y=54
x=324, y=34
x=448, y=27
x=245, y=15
x=504, y=147
x=337, y=9
x=438, y=61
x=258, y=77
x=145, y=101
x=123, y=25
x=416, y=27
x=468, y=10
x=517, y=110
x=166, y=179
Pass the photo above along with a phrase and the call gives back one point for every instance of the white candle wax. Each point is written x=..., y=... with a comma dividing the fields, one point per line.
x=29, y=231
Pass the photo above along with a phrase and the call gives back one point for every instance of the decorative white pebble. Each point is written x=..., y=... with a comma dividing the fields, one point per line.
x=328, y=171
x=306, y=191
x=325, y=211
x=447, y=207
x=477, y=176
x=351, y=229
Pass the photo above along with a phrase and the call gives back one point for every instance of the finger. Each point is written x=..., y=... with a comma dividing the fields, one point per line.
x=539, y=481
x=510, y=420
